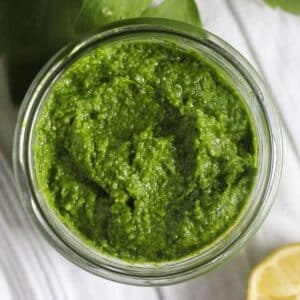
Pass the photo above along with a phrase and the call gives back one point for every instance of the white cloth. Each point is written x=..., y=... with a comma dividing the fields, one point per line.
x=31, y=269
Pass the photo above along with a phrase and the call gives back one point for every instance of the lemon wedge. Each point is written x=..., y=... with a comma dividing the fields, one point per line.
x=277, y=277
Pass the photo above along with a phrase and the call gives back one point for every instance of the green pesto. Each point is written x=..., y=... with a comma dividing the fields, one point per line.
x=145, y=151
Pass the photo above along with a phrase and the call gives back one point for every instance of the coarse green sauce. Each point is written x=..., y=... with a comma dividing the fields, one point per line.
x=145, y=151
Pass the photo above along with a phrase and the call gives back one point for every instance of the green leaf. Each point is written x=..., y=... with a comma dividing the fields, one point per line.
x=181, y=10
x=292, y=6
x=2, y=23
x=33, y=30
x=95, y=13
x=30, y=32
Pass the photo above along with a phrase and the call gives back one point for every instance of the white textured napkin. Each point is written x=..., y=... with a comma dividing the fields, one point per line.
x=31, y=269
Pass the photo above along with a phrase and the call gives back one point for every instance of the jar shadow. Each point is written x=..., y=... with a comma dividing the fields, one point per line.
x=229, y=281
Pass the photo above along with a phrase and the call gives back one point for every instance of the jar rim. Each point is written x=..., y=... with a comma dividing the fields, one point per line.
x=114, y=269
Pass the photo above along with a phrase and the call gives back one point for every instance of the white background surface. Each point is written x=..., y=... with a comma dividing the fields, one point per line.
x=31, y=269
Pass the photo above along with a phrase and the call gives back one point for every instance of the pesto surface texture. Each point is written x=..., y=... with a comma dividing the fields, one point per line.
x=145, y=151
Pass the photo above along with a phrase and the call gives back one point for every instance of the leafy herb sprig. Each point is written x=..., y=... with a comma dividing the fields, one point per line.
x=32, y=30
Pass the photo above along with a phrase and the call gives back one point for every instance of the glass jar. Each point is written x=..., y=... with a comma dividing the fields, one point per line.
x=268, y=135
